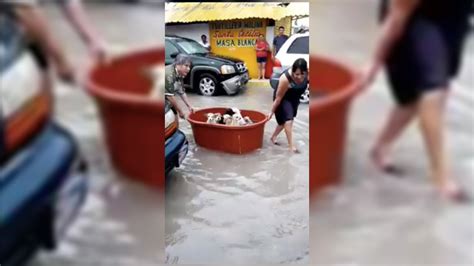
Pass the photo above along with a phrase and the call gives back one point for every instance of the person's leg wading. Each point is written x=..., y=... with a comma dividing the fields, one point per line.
x=277, y=132
x=289, y=135
x=397, y=121
x=431, y=112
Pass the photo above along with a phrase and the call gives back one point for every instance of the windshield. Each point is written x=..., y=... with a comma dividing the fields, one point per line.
x=192, y=47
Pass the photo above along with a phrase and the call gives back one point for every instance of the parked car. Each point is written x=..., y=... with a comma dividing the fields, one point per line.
x=176, y=145
x=209, y=72
x=297, y=46
x=43, y=185
x=42, y=175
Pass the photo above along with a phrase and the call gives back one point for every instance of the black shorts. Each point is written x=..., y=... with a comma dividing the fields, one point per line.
x=286, y=111
x=426, y=58
x=261, y=59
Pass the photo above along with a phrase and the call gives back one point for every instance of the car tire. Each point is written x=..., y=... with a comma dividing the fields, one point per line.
x=207, y=85
x=305, y=97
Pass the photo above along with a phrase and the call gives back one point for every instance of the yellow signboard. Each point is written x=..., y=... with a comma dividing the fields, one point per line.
x=237, y=38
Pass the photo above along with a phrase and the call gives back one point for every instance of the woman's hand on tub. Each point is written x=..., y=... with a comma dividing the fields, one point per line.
x=269, y=116
x=367, y=76
x=104, y=53
x=99, y=52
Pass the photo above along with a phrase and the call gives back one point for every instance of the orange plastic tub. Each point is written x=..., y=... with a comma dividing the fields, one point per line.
x=329, y=119
x=132, y=122
x=230, y=139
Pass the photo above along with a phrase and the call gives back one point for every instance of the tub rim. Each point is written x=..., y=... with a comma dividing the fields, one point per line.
x=345, y=94
x=254, y=125
x=109, y=95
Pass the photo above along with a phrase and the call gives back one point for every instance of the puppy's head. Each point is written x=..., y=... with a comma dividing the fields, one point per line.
x=218, y=118
x=211, y=118
x=209, y=115
x=227, y=119
x=236, y=117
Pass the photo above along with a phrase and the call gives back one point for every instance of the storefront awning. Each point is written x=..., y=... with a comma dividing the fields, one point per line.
x=201, y=12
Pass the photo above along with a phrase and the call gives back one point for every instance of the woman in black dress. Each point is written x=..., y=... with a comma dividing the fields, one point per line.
x=421, y=45
x=286, y=99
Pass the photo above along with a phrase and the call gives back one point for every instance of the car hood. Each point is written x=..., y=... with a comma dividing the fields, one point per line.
x=223, y=59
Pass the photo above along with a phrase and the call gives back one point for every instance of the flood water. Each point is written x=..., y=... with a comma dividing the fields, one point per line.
x=249, y=208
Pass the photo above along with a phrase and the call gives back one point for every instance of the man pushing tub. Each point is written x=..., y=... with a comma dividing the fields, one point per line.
x=174, y=83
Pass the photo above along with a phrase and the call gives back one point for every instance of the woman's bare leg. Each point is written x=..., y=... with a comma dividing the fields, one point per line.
x=289, y=135
x=431, y=109
x=397, y=121
x=277, y=132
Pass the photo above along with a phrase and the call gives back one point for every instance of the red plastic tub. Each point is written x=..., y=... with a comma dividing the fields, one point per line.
x=329, y=119
x=230, y=139
x=132, y=122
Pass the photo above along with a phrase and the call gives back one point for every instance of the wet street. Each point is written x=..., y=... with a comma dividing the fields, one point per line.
x=374, y=219
x=240, y=208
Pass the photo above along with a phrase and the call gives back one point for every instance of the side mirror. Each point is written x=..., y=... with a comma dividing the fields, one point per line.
x=174, y=55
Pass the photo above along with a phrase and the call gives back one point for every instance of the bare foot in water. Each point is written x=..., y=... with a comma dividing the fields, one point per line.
x=295, y=150
x=379, y=159
x=273, y=140
x=450, y=190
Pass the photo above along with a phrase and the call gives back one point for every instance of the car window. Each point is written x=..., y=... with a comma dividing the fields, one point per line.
x=299, y=46
x=169, y=49
x=192, y=47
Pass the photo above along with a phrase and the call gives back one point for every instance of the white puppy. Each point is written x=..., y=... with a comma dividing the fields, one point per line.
x=248, y=121
x=227, y=119
x=211, y=118
x=237, y=120
x=219, y=118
